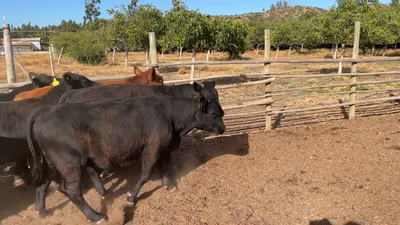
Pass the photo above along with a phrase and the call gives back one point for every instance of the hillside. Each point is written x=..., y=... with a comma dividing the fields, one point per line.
x=278, y=14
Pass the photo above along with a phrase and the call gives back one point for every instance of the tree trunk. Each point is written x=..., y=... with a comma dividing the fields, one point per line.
x=290, y=49
x=373, y=50
x=147, y=56
x=162, y=54
x=384, y=50
x=395, y=46
x=302, y=46
x=180, y=53
x=335, y=51
x=126, y=57
x=341, y=56
x=113, y=56
x=208, y=55
x=277, y=51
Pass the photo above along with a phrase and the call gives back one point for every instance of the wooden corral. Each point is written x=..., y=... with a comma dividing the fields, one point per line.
x=267, y=100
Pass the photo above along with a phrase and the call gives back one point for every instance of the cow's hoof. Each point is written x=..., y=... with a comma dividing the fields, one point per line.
x=130, y=204
x=172, y=188
x=19, y=182
x=100, y=221
x=43, y=215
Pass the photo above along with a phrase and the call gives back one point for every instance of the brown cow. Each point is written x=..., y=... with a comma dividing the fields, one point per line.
x=148, y=77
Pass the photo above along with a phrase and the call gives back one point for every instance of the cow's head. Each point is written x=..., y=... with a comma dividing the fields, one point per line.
x=209, y=117
x=43, y=80
x=208, y=91
x=77, y=81
x=149, y=77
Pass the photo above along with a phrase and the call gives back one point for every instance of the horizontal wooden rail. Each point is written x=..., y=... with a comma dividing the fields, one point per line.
x=247, y=104
x=350, y=60
x=222, y=76
x=218, y=87
x=338, y=74
x=334, y=105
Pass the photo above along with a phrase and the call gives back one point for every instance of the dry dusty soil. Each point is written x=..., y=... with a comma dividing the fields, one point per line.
x=340, y=172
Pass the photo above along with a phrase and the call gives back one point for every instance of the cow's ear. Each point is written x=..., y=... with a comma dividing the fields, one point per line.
x=152, y=74
x=55, y=82
x=203, y=104
x=32, y=75
x=137, y=71
x=67, y=77
x=197, y=87
x=36, y=82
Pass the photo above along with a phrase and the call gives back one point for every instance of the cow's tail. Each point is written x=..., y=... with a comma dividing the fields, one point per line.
x=37, y=171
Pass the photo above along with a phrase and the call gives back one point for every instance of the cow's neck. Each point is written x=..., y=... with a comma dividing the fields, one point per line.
x=183, y=113
x=183, y=90
x=53, y=96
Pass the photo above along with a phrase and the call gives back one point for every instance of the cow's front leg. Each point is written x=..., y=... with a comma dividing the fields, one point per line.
x=149, y=159
x=98, y=185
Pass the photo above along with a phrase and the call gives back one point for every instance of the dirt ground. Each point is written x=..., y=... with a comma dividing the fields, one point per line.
x=340, y=172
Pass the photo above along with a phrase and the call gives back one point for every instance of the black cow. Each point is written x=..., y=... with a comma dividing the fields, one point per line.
x=195, y=90
x=111, y=132
x=14, y=117
x=38, y=81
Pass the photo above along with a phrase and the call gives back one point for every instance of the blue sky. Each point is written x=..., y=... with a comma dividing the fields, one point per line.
x=51, y=12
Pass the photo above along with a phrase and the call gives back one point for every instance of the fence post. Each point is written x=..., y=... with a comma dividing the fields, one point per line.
x=267, y=69
x=192, y=67
x=153, y=48
x=353, y=79
x=11, y=78
x=51, y=59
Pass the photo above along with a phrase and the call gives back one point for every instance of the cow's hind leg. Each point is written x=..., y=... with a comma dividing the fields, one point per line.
x=72, y=189
x=148, y=161
x=41, y=191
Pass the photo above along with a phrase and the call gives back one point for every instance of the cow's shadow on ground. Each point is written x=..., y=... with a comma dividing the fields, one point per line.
x=327, y=222
x=194, y=152
x=14, y=200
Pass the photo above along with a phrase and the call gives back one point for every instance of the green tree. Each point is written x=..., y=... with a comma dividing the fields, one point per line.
x=117, y=31
x=91, y=11
x=231, y=36
x=145, y=19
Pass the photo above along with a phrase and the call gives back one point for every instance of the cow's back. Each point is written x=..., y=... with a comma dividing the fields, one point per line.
x=33, y=93
x=113, y=91
x=114, y=128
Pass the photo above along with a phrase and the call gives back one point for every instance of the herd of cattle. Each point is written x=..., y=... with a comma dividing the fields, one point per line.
x=54, y=128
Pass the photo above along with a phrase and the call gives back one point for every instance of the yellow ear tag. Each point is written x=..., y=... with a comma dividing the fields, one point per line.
x=55, y=82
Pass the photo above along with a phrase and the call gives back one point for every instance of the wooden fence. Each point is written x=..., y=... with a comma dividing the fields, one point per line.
x=266, y=110
x=255, y=111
